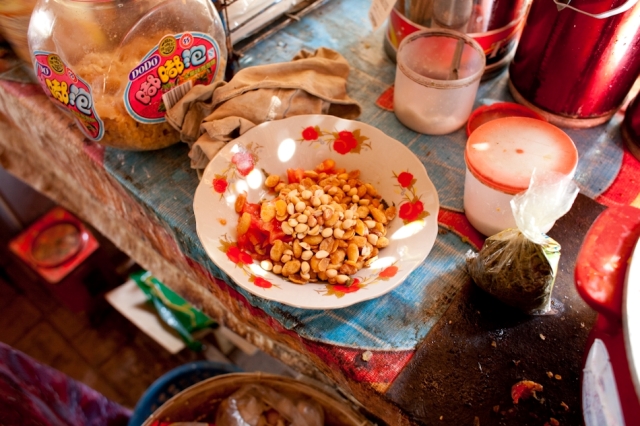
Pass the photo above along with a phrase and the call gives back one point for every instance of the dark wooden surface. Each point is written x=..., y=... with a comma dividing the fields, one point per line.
x=459, y=373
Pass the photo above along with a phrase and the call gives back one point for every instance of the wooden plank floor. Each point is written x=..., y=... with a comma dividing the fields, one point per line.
x=102, y=349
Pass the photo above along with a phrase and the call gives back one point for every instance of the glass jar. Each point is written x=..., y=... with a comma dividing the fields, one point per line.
x=117, y=66
x=14, y=21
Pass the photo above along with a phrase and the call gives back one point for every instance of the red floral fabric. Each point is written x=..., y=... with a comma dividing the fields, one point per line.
x=32, y=394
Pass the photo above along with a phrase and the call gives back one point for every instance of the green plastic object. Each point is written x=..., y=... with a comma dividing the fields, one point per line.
x=173, y=309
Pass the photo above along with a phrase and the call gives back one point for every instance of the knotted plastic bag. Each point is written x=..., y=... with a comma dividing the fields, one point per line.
x=518, y=266
x=256, y=405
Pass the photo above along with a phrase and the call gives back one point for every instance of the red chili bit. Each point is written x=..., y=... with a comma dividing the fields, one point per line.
x=524, y=389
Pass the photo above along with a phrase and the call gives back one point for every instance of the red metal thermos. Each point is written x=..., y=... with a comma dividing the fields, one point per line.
x=576, y=63
x=630, y=127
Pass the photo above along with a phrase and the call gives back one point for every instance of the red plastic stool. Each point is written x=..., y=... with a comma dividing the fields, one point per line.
x=600, y=275
x=61, y=251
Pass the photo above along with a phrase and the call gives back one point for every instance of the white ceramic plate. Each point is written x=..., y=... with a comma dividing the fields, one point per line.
x=631, y=316
x=276, y=146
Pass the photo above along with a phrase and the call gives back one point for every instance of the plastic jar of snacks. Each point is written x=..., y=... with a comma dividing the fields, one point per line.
x=118, y=65
x=501, y=156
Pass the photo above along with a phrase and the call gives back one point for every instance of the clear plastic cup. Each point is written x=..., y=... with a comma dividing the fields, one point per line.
x=437, y=77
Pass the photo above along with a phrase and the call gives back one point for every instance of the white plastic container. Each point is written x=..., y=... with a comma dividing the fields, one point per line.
x=501, y=156
x=437, y=77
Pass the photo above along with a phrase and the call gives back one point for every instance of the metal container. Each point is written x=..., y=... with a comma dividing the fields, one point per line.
x=494, y=24
x=576, y=63
x=631, y=127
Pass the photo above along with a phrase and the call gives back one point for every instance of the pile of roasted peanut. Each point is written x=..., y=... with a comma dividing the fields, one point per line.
x=337, y=223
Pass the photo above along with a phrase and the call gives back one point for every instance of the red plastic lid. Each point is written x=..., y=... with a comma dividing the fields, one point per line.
x=487, y=113
x=503, y=153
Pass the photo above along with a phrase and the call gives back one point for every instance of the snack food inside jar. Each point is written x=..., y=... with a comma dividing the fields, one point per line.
x=106, y=73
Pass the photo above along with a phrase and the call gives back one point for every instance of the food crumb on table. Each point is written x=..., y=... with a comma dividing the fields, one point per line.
x=366, y=356
x=524, y=389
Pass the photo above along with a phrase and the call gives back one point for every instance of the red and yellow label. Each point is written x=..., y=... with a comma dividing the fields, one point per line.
x=496, y=44
x=167, y=72
x=69, y=92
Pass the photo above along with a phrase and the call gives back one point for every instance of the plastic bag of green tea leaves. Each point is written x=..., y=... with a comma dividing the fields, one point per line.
x=173, y=309
x=518, y=266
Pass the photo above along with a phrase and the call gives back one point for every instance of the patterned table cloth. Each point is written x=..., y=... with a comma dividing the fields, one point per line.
x=160, y=185
x=393, y=325
x=32, y=394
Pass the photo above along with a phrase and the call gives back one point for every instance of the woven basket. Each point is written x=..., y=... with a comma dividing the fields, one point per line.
x=200, y=401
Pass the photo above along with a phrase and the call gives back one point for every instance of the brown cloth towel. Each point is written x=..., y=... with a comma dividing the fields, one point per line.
x=312, y=83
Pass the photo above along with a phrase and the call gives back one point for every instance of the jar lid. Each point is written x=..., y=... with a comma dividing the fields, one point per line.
x=503, y=153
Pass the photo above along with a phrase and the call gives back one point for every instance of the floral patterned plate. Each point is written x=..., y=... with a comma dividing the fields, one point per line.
x=304, y=142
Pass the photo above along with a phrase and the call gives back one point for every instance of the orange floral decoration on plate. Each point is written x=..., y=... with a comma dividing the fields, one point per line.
x=242, y=163
x=357, y=284
x=242, y=259
x=411, y=209
x=342, y=142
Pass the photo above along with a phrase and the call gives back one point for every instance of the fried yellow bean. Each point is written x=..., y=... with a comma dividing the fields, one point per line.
x=272, y=181
x=243, y=224
x=239, y=204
